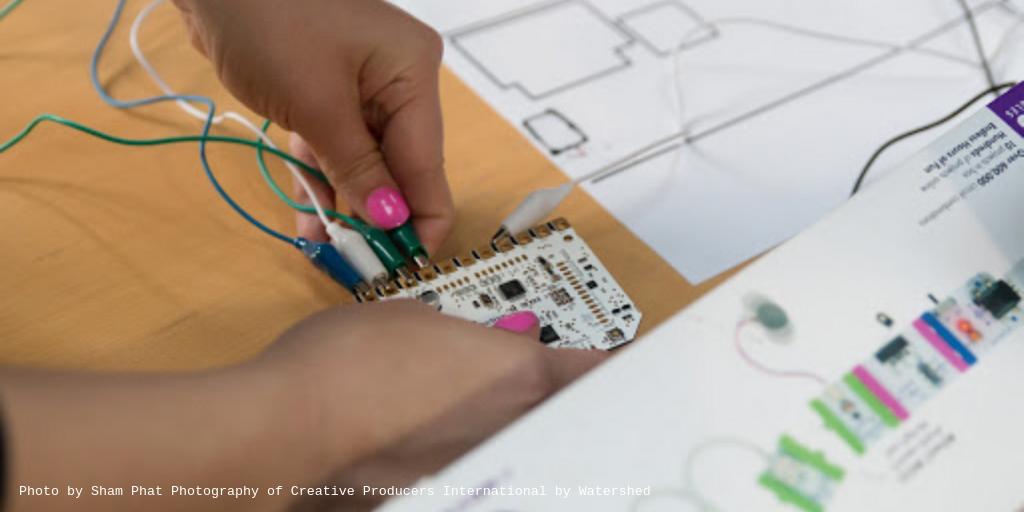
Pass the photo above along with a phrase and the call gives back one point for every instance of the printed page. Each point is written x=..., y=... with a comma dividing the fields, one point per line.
x=872, y=363
x=757, y=116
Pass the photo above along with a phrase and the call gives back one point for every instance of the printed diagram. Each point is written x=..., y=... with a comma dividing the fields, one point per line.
x=706, y=112
x=593, y=52
x=499, y=47
x=876, y=397
x=555, y=132
x=667, y=27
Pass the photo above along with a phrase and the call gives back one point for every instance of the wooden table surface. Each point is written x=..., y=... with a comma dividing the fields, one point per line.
x=120, y=258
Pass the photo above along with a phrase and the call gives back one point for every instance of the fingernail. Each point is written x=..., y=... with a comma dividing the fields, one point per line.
x=519, y=322
x=387, y=208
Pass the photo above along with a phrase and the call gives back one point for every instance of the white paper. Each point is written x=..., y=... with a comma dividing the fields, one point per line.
x=779, y=122
x=683, y=415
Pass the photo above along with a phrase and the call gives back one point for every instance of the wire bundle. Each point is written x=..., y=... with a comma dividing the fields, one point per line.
x=365, y=256
x=371, y=251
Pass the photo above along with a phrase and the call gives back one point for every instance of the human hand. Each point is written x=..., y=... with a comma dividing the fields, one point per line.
x=357, y=83
x=399, y=391
x=372, y=395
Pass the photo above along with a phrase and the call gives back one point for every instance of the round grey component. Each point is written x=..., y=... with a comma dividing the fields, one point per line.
x=771, y=316
x=431, y=298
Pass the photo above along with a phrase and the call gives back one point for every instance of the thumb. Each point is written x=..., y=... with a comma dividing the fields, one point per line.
x=354, y=164
x=567, y=365
x=564, y=365
x=520, y=322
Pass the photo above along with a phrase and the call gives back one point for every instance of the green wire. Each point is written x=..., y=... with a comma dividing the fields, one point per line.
x=258, y=145
x=357, y=225
x=381, y=243
x=5, y=10
x=378, y=240
x=153, y=142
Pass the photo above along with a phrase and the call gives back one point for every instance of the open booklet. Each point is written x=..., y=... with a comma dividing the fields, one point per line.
x=875, y=362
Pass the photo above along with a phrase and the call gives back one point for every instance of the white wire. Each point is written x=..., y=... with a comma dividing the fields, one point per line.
x=133, y=40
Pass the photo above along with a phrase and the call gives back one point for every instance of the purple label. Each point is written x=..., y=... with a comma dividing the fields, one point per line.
x=1010, y=108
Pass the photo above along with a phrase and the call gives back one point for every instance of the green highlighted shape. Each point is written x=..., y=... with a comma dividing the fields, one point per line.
x=789, y=446
x=835, y=424
x=787, y=494
x=802, y=463
x=869, y=398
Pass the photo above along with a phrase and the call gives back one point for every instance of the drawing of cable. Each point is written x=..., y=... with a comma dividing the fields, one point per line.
x=689, y=492
x=797, y=475
x=776, y=325
x=707, y=31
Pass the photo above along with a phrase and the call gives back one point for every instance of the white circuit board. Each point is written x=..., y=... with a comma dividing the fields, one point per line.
x=548, y=270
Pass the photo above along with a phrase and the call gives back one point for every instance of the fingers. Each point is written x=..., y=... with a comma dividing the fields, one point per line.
x=385, y=157
x=354, y=164
x=195, y=34
x=413, y=146
x=521, y=322
x=567, y=365
x=309, y=225
x=564, y=366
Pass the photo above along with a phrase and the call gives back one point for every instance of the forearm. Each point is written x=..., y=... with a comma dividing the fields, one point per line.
x=217, y=429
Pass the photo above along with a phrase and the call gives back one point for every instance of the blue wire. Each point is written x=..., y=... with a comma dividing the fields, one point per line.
x=211, y=108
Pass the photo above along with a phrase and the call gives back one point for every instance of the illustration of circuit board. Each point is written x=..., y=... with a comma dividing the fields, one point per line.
x=548, y=270
x=879, y=394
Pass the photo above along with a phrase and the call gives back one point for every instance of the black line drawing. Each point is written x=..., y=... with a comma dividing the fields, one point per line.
x=555, y=131
x=686, y=138
x=664, y=150
x=694, y=31
x=701, y=31
x=461, y=38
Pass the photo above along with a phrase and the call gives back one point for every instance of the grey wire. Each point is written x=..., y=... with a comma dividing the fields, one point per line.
x=642, y=153
x=722, y=442
x=979, y=46
x=837, y=38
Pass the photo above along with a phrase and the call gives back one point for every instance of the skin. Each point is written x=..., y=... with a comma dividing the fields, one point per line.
x=357, y=83
x=371, y=395
x=378, y=395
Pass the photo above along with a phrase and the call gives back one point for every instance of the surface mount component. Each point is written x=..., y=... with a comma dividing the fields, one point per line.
x=548, y=270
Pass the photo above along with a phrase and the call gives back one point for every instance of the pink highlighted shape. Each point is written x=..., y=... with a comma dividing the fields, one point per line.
x=941, y=346
x=879, y=391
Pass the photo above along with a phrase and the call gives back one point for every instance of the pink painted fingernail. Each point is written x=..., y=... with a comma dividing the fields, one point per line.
x=519, y=322
x=387, y=208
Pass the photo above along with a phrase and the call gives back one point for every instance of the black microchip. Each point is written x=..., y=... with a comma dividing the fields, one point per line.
x=548, y=335
x=512, y=290
x=591, y=284
x=892, y=351
x=999, y=299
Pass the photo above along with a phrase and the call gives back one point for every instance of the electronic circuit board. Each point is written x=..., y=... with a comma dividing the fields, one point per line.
x=548, y=270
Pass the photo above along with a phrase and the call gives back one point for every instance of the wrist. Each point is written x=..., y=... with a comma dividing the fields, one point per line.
x=324, y=397
x=291, y=431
